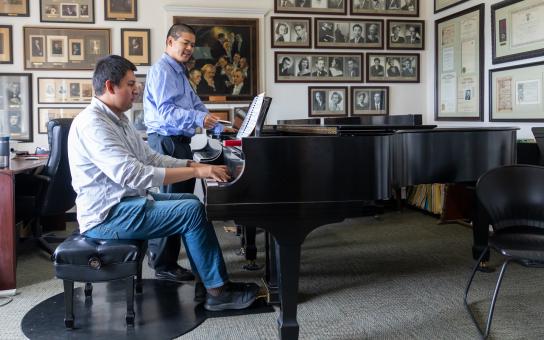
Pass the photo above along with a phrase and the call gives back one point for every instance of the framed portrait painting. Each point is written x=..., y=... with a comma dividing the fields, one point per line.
x=6, y=44
x=45, y=114
x=405, y=34
x=329, y=101
x=225, y=67
x=369, y=100
x=291, y=32
x=15, y=8
x=74, y=11
x=311, y=6
x=121, y=10
x=405, y=8
x=16, y=105
x=135, y=46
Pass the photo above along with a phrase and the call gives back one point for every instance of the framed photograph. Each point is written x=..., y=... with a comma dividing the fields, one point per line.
x=45, y=114
x=16, y=105
x=459, y=65
x=517, y=30
x=441, y=5
x=349, y=33
x=121, y=10
x=303, y=67
x=392, y=67
x=15, y=8
x=57, y=48
x=136, y=113
x=6, y=44
x=293, y=32
x=311, y=6
x=405, y=8
x=369, y=100
x=135, y=46
x=329, y=101
x=516, y=93
x=75, y=11
x=238, y=115
x=225, y=58
x=405, y=34
x=223, y=114
x=65, y=90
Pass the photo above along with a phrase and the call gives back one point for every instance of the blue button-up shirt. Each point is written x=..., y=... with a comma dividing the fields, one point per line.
x=171, y=107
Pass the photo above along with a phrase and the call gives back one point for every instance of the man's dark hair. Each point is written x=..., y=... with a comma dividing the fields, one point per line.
x=357, y=25
x=176, y=30
x=112, y=68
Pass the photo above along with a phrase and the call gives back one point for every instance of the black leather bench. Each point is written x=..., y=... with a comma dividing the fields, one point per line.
x=85, y=259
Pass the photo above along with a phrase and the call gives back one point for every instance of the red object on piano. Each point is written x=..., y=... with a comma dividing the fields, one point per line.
x=232, y=142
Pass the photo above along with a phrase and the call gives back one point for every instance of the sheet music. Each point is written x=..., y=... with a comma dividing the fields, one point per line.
x=251, y=118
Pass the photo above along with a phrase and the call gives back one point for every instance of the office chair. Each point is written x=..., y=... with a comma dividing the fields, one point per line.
x=538, y=132
x=513, y=198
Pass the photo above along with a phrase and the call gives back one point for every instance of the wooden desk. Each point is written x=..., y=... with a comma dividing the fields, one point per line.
x=7, y=218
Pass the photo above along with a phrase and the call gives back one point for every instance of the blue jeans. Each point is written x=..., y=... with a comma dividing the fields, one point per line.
x=168, y=214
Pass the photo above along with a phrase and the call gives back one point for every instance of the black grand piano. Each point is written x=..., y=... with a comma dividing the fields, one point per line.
x=302, y=174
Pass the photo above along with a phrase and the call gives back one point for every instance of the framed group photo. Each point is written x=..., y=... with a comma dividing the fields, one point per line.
x=442, y=5
x=517, y=30
x=329, y=101
x=6, y=44
x=16, y=105
x=135, y=46
x=64, y=48
x=405, y=34
x=369, y=100
x=349, y=33
x=294, y=67
x=65, y=90
x=45, y=114
x=73, y=11
x=311, y=6
x=292, y=32
x=225, y=67
x=516, y=93
x=405, y=8
x=392, y=67
x=121, y=10
x=15, y=8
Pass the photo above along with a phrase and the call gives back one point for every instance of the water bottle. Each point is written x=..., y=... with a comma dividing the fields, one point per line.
x=4, y=152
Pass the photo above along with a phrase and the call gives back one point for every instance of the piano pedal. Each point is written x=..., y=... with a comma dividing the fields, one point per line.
x=485, y=268
x=230, y=229
x=240, y=252
x=252, y=266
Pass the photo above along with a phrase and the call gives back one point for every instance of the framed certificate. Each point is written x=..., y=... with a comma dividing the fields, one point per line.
x=517, y=30
x=459, y=51
x=442, y=5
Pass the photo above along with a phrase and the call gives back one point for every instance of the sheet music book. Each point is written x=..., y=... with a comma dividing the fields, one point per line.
x=256, y=109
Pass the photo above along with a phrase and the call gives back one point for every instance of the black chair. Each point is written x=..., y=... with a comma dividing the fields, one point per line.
x=538, y=132
x=513, y=199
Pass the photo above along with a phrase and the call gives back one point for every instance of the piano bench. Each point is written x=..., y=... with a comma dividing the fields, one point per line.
x=84, y=259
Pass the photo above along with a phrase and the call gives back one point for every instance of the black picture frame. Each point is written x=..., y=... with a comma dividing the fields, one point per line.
x=64, y=90
x=392, y=8
x=328, y=106
x=396, y=67
x=15, y=10
x=363, y=102
x=6, y=44
x=16, y=105
x=76, y=11
x=406, y=40
x=136, y=45
x=349, y=63
x=284, y=32
x=438, y=9
x=338, y=33
x=331, y=7
x=121, y=10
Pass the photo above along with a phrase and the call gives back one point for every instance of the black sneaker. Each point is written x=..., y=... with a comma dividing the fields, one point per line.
x=237, y=295
x=200, y=292
x=177, y=274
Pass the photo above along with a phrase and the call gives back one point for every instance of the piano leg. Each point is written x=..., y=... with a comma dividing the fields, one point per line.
x=250, y=249
x=270, y=274
x=288, y=266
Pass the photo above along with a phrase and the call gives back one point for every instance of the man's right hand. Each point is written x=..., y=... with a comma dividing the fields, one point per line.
x=216, y=172
x=209, y=121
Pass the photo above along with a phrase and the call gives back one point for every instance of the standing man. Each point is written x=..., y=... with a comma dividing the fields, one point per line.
x=172, y=113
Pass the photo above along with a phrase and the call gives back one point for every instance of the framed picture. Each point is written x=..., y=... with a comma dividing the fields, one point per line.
x=238, y=115
x=65, y=90
x=45, y=114
x=135, y=46
x=64, y=48
x=349, y=33
x=136, y=113
x=405, y=8
x=294, y=32
x=392, y=67
x=515, y=93
x=441, y=5
x=311, y=6
x=329, y=101
x=405, y=34
x=121, y=10
x=225, y=58
x=16, y=105
x=369, y=100
x=75, y=11
x=303, y=67
x=517, y=30
x=15, y=8
x=459, y=65
x=6, y=44
x=223, y=114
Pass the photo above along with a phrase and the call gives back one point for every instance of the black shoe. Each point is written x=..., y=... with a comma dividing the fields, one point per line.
x=177, y=274
x=234, y=296
x=200, y=292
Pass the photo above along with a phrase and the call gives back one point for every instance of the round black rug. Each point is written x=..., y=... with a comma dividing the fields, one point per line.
x=164, y=310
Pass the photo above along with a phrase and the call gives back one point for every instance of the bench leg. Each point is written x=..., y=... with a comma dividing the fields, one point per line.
x=129, y=282
x=68, y=303
x=88, y=289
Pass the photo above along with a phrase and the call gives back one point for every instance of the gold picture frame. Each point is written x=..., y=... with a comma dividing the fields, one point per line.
x=121, y=10
x=19, y=9
x=6, y=44
x=136, y=46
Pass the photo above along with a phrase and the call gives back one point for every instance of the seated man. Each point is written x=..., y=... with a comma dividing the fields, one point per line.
x=112, y=169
